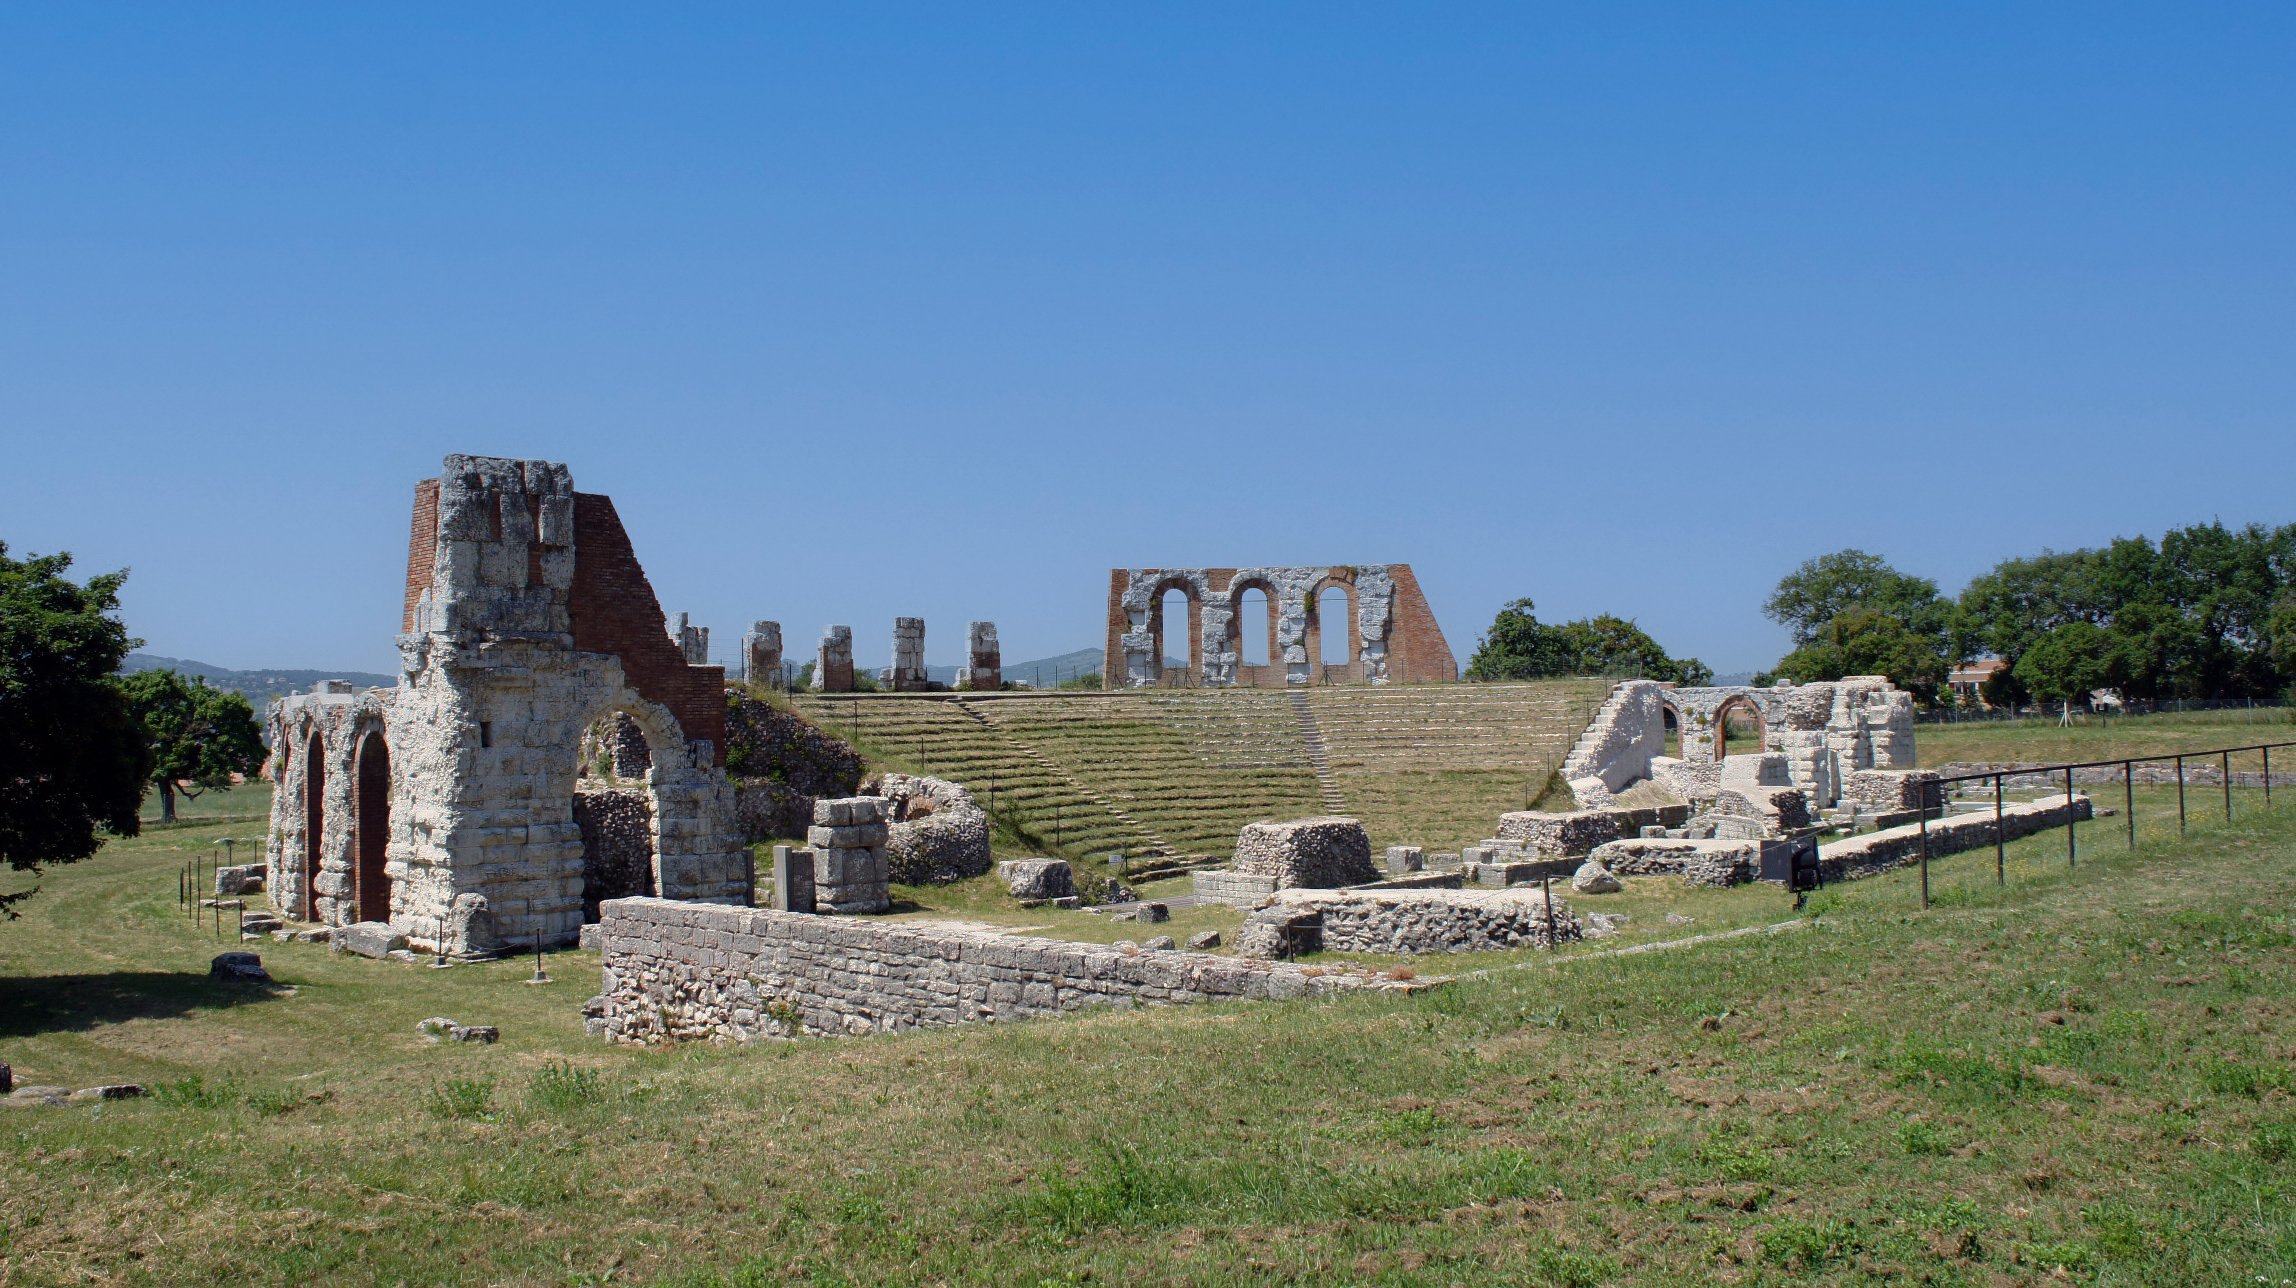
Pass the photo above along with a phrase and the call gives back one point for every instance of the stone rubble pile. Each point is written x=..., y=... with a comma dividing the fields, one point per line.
x=936, y=833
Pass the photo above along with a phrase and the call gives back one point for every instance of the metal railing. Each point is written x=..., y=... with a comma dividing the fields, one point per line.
x=2126, y=764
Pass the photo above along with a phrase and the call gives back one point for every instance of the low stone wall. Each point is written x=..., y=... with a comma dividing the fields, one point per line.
x=1242, y=889
x=1889, y=791
x=1895, y=847
x=685, y=970
x=1408, y=922
x=1700, y=863
x=1559, y=834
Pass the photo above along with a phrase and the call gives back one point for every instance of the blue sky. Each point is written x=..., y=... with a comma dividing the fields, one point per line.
x=946, y=310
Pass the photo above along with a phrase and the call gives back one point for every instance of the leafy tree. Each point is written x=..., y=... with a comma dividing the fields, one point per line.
x=1867, y=641
x=1521, y=647
x=1828, y=586
x=72, y=757
x=2072, y=660
x=199, y=736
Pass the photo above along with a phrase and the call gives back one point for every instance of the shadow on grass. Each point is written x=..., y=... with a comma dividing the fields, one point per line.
x=64, y=1003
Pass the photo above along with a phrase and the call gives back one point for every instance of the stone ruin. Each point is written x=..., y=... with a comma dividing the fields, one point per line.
x=984, y=661
x=761, y=653
x=1823, y=734
x=444, y=809
x=833, y=668
x=1390, y=632
x=693, y=641
x=907, y=674
x=935, y=832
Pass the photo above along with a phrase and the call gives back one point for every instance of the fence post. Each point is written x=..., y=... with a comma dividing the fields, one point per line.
x=2268, y=778
x=2071, y=818
x=2129, y=798
x=2180, y=796
x=1924, y=845
x=2000, y=839
x=2226, y=766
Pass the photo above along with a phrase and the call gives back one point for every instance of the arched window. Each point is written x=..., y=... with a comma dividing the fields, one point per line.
x=1175, y=654
x=1255, y=626
x=371, y=806
x=1337, y=626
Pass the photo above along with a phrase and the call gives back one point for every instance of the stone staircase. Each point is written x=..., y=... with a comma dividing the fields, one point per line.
x=1318, y=755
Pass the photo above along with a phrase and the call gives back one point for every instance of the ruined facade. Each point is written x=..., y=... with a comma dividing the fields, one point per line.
x=1389, y=632
x=1821, y=734
x=761, y=653
x=444, y=806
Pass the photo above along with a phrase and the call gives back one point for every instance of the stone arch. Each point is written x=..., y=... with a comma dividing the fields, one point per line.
x=1192, y=654
x=1319, y=627
x=371, y=822
x=1269, y=669
x=1721, y=720
x=623, y=822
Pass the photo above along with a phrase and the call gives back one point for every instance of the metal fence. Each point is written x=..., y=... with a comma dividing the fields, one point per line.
x=2264, y=708
x=1934, y=796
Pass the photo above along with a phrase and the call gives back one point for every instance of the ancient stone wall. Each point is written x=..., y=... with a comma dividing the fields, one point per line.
x=761, y=653
x=686, y=971
x=1823, y=733
x=1409, y=921
x=1391, y=633
x=907, y=674
x=1895, y=847
x=617, y=826
x=781, y=765
x=984, y=660
x=527, y=620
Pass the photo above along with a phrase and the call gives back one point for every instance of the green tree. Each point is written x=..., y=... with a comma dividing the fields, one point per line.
x=1867, y=641
x=199, y=736
x=1826, y=587
x=73, y=760
x=1521, y=647
x=2072, y=660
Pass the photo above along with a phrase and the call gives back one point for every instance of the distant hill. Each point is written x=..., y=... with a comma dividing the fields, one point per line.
x=259, y=686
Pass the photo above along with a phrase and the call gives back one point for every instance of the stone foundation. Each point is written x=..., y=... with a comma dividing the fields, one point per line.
x=1311, y=852
x=1719, y=863
x=686, y=971
x=1895, y=847
x=1556, y=835
x=1406, y=922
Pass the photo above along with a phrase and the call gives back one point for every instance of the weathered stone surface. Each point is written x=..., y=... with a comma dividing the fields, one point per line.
x=245, y=879
x=1894, y=847
x=1559, y=835
x=617, y=825
x=1032, y=880
x=908, y=670
x=833, y=667
x=1310, y=852
x=1203, y=941
x=1152, y=912
x=936, y=833
x=1593, y=878
x=1158, y=944
x=761, y=653
x=1888, y=791
x=369, y=939
x=1406, y=921
x=1393, y=636
x=436, y=1027
x=481, y=1033
x=1714, y=863
x=794, y=886
x=471, y=930
x=984, y=659
x=1240, y=889
x=242, y=967
x=108, y=1091
x=1824, y=732
x=681, y=970
x=587, y=939
x=850, y=873
x=1405, y=858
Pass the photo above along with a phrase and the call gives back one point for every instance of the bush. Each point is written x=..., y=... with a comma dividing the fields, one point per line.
x=561, y=1086
x=462, y=1098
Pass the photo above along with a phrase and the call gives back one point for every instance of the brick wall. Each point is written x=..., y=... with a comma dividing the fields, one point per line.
x=613, y=610
x=1417, y=651
x=422, y=547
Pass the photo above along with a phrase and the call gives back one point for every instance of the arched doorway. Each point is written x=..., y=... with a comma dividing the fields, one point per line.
x=1179, y=653
x=614, y=809
x=1739, y=718
x=314, y=820
x=1335, y=629
x=371, y=808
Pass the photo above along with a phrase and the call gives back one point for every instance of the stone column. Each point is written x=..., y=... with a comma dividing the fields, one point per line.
x=693, y=641
x=849, y=870
x=908, y=653
x=761, y=653
x=984, y=660
x=833, y=671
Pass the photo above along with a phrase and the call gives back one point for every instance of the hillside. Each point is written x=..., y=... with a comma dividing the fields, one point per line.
x=259, y=686
x=1176, y=772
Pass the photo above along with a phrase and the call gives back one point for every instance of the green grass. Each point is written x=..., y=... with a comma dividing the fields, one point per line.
x=2095, y=738
x=2084, y=1076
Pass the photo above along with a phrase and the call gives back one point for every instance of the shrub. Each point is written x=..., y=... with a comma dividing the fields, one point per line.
x=561, y=1086
x=462, y=1098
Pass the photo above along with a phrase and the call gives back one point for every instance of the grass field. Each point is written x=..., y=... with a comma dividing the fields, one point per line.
x=2084, y=1076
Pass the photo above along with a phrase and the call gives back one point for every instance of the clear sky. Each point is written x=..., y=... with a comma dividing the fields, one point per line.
x=860, y=311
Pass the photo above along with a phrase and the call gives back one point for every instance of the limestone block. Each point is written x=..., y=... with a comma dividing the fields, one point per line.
x=1037, y=879
x=1316, y=852
x=373, y=939
x=1405, y=858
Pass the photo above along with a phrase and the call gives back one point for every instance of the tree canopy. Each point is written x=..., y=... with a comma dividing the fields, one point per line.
x=1868, y=641
x=1521, y=647
x=73, y=760
x=199, y=736
x=1828, y=586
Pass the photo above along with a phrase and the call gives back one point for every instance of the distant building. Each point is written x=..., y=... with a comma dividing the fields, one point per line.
x=1968, y=680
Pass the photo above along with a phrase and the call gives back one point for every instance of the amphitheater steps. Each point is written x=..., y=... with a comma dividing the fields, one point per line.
x=1318, y=756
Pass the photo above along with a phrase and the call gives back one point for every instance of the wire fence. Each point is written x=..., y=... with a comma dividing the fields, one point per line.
x=2260, y=708
x=2123, y=770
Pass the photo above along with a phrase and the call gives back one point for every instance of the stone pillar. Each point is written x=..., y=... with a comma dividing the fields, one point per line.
x=792, y=879
x=693, y=641
x=761, y=653
x=908, y=654
x=984, y=660
x=833, y=671
x=849, y=870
